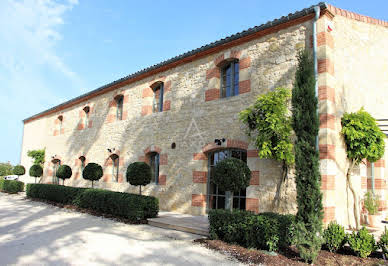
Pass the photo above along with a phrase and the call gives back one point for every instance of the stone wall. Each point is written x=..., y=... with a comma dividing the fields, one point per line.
x=193, y=117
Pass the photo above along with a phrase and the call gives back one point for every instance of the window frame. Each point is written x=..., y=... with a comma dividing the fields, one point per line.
x=234, y=88
x=155, y=159
x=119, y=106
x=60, y=119
x=87, y=112
x=115, y=167
x=158, y=107
x=56, y=164
x=83, y=161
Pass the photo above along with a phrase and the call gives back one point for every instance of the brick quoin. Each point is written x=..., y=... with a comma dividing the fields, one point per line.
x=327, y=121
x=219, y=59
x=244, y=86
x=325, y=65
x=146, y=110
x=364, y=182
x=198, y=200
x=213, y=73
x=327, y=182
x=80, y=126
x=147, y=92
x=252, y=205
x=380, y=184
x=90, y=124
x=212, y=94
x=328, y=214
x=237, y=144
x=252, y=153
x=326, y=93
x=325, y=38
x=382, y=205
x=245, y=63
x=378, y=163
x=163, y=159
x=166, y=105
x=199, y=176
x=235, y=54
x=110, y=118
x=199, y=156
x=162, y=180
x=167, y=86
x=327, y=151
x=255, y=178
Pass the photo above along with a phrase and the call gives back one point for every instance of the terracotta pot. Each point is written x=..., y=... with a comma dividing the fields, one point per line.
x=374, y=220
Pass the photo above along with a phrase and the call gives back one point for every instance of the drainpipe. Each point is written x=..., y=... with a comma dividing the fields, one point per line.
x=373, y=178
x=317, y=11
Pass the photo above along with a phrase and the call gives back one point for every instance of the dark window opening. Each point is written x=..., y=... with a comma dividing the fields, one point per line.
x=56, y=164
x=115, y=167
x=86, y=110
x=230, y=79
x=83, y=160
x=154, y=164
x=119, y=106
x=157, y=105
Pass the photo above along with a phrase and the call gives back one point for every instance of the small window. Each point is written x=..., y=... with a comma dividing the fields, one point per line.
x=115, y=167
x=229, y=79
x=60, y=119
x=83, y=161
x=56, y=164
x=87, y=111
x=154, y=163
x=119, y=106
x=158, y=98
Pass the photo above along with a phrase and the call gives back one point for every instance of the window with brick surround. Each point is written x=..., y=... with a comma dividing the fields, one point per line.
x=83, y=160
x=157, y=105
x=115, y=167
x=154, y=164
x=229, y=78
x=60, y=124
x=119, y=106
x=56, y=164
x=86, y=119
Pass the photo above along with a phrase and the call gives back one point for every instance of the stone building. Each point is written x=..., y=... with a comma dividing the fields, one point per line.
x=181, y=116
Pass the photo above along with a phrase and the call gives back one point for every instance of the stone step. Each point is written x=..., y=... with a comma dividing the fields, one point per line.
x=183, y=228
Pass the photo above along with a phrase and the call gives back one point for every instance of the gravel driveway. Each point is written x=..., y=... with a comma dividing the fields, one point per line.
x=33, y=233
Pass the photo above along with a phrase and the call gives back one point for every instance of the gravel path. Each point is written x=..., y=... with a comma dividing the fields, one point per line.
x=34, y=233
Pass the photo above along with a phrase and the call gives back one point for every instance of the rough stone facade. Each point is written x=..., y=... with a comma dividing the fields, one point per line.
x=194, y=116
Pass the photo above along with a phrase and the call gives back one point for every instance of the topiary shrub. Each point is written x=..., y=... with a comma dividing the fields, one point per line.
x=139, y=174
x=11, y=186
x=383, y=243
x=361, y=243
x=56, y=193
x=92, y=172
x=334, y=236
x=19, y=170
x=64, y=172
x=36, y=171
x=231, y=175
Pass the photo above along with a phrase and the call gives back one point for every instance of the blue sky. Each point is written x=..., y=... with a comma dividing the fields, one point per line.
x=52, y=51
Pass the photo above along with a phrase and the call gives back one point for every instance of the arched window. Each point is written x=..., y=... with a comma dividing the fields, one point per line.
x=119, y=106
x=83, y=161
x=86, y=120
x=60, y=123
x=216, y=197
x=56, y=164
x=158, y=89
x=154, y=164
x=229, y=78
x=115, y=167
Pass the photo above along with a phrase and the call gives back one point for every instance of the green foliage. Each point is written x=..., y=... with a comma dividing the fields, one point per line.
x=11, y=186
x=130, y=206
x=36, y=170
x=383, y=243
x=37, y=156
x=361, y=243
x=335, y=237
x=363, y=138
x=371, y=203
x=5, y=169
x=269, y=231
x=305, y=123
x=231, y=174
x=92, y=172
x=268, y=120
x=64, y=172
x=138, y=174
x=56, y=193
x=19, y=170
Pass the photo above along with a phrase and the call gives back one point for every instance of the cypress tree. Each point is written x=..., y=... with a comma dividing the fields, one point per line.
x=307, y=176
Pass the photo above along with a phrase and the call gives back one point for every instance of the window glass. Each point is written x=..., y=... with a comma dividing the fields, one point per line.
x=158, y=98
x=119, y=109
x=230, y=79
x=154, y=163
x=115, y=167
x=82, y=159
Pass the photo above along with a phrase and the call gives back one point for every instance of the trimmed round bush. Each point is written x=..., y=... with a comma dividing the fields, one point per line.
x=11, y=186
x=36, y=171
x=19, y=170
x=334, y=236
x=92, y=172
x=231, y=175
x=139, y=174
x=362, y=243
x=64, y=172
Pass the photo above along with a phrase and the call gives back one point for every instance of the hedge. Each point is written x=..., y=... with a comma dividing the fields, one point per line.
x=11, y=186
x=269, y=231
x=56, y=193
x=131, y=206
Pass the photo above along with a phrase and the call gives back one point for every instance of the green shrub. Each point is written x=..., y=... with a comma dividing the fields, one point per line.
x=92, y=172
x=383, y=243
x=371, y=203
x=362, y=243
x=11, y=186
x=19, y=170
x=334, y=236
x=36, y=171
x=139, y=174
x=64, y=172
x=231, y=175
x=130, y=206
x=56, y=193
x=263, y=231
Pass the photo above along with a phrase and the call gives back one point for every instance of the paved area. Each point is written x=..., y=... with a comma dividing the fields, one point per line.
x=33, y=233
x=182, y=222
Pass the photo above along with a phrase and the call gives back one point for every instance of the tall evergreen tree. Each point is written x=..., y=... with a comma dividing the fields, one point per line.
x=306, y=126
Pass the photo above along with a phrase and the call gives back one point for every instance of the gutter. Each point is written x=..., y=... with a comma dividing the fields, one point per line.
x=317, y=11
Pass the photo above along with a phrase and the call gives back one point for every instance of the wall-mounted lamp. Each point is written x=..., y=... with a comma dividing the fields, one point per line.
x=219, y=141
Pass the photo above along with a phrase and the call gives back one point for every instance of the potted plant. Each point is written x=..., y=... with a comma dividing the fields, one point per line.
x=371, y=204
